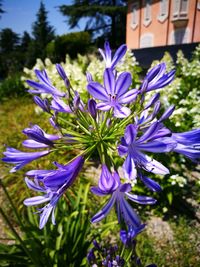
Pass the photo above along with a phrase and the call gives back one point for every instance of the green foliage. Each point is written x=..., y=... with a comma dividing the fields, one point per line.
x=71, y=44
x=8, y=40
x=65, y=243
x=105, y=18
x=12, y=86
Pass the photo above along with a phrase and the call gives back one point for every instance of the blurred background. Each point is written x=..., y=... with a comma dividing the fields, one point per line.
x=38, y=34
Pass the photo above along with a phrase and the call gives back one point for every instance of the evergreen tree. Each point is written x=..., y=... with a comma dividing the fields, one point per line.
x=42, y=32
x=25, y=41
x=104, y=17
x=9, y=40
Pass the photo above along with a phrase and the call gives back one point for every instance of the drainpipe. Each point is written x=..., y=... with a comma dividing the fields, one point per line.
x=193, y=28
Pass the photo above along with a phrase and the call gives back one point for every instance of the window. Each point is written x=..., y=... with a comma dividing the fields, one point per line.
x=164, y=4
x=134, y=18
x=146, y=40
x=147, y=13
x=180, y=9
x=180, y=36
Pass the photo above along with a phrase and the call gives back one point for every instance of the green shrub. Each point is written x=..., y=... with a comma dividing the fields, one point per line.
x=12, y=87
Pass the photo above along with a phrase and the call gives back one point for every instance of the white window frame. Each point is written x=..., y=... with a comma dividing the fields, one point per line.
x=177, y=12
x=134, y=15
x=147, y=13
x=164, y=10
x=149, y=36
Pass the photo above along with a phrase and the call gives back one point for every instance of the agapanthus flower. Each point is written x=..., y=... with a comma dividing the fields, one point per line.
x=20, y=158
x=149, y=183
x=54, y=184
x=188, y=144
x=38, y=138
x=157, y=78
x=109, y=184
x=133, y=147
x=92, y=107
x=114, y=93
x=127, y=237
x=63, y=75
x=59, y=105
x=45, y=85
x=42, y=103
x=107, y=55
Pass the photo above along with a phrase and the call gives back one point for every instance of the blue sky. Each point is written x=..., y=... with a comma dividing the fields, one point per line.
x=20, y=15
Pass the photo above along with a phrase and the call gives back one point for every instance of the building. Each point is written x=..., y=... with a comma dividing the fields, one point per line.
x=162, y=24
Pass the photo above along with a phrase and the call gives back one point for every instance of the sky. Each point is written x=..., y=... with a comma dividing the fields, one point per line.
x=21, y=14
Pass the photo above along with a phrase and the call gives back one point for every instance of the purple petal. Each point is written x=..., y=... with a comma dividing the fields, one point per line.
x=141, y=199
x=32, y=201
x=152, y=100
x=34, y=186
x=45, y=215
x=42, y=76
x=43, y=104
x=66, y=176
x=187, y=138
x=151, y=184
x=167, y=113
x=192, y=153
x=39, y=174
x=154, y=166
x=163, y=132
x=149, y=132
x=108, y=52
x=89, y=77
x=107, y=182
x=104, y=106
x=130, y=217
x=125, y=188
x=123, y=83
x=128, y=97
x=105, y=210
x=130, y=171
x=121, y=51
x=92, y=107
x=157, y=146
x=130, y=133
x=97, y=191
x=43, y=88
x=156, y=72
x=122, y=150
x=33, y=144
x=109, y=81
x=121, y=112
x=60, y=106
x=97, y=91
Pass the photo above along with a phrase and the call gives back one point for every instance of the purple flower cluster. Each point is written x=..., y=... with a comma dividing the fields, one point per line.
x=116, y=117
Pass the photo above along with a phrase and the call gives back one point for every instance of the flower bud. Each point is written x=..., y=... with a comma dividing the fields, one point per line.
x=92, y=107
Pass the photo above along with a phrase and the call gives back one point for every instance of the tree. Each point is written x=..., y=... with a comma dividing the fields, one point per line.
x=42, y=32
x=9, y=54
x=9, y=40
x=25, y=41
x=104, y=17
